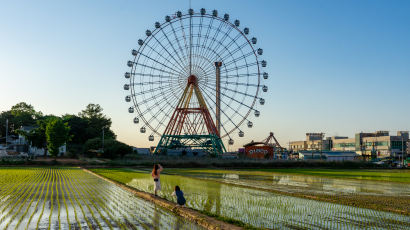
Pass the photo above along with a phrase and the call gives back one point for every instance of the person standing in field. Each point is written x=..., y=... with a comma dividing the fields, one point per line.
x=155, y=174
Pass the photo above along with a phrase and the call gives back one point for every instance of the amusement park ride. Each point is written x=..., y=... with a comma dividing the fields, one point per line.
x=194, y=80
x=268, y=148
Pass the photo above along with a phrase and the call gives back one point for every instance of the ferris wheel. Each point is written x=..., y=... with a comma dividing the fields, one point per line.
x=224, y=61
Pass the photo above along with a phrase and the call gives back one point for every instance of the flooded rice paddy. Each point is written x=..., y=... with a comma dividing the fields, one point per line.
x=295, y=183
x=69, y=198
x=258, y=207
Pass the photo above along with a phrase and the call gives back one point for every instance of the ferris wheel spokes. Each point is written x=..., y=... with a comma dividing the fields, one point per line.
x=226, y=115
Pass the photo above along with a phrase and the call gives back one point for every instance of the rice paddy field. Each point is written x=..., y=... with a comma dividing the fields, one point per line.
x=69, y=198
x=216, y=193
x=379, y=191
x=387, y=175
x=384, y=183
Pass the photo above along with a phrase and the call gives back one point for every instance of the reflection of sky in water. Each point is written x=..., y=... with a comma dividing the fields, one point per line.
x=288, y=181
x=292, y=183
x=319, y=184
x=230, y=176
x=267, y=209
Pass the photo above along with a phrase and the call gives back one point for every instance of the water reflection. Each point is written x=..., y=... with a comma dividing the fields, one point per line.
x=156, y=219
x=270, y=210
x=296, y=183
x=230, y=176
x=213, y=200
x=331, y=185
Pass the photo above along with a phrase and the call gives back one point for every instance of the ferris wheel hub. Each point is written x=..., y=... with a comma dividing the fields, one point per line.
x=192, y=80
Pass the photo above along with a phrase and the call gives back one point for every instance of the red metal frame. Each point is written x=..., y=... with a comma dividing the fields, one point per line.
x=191, y=120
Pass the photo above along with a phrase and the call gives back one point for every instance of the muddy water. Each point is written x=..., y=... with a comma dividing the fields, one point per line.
x=69, y=198
x=261, y=208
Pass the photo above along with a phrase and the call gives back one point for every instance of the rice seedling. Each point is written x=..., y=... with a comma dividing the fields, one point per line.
x=260, y=208
x=38, y=199
x=69, y=198
x=64, y=201
x=373, y=194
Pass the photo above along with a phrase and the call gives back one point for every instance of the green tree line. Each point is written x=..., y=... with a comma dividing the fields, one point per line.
x=82, y=133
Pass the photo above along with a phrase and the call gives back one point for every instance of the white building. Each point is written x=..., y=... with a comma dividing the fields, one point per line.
x=22, y=144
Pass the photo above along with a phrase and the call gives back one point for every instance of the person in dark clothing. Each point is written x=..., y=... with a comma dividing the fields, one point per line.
x=180, y=195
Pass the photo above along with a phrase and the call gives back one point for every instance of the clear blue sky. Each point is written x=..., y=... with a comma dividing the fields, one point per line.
x=338, y=67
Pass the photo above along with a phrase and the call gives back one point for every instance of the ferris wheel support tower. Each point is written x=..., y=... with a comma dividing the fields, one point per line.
x=191, y=127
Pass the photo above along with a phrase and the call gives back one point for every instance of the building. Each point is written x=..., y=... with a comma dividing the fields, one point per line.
x=407, y=158
x=297, y=146
x=408, y=148
x=314, y=141
x=382, y=146
x=314, y=136
x=329, y=155
x=142, y=151
x=22, y=145
x=379, y=144
x=258, y=150
x=343, y=144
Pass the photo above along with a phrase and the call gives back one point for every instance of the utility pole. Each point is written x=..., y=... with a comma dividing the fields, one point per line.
x=103, y=139
x=7, y=130
x=363, y=149
x=402, y=151
x=321, y=145
x=312, y=148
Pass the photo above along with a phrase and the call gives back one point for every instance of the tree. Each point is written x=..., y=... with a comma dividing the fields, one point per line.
x=21, y=114
x=92, y=111
x=37, y=137
x=24, y=114
x=97, y=122
x=78, y=127
x=57, y=134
